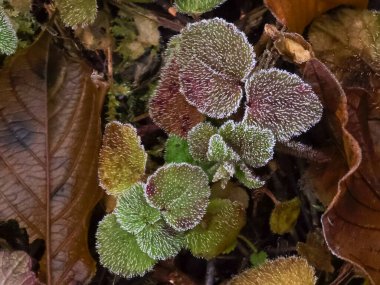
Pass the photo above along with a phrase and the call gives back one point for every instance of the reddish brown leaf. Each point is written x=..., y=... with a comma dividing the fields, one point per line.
x=344, y=150
x=351, y=223
x=168, y=108
x=297, y=14
x=49, y=140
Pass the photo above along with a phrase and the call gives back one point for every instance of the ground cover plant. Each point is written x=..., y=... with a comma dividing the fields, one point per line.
x=189, y=142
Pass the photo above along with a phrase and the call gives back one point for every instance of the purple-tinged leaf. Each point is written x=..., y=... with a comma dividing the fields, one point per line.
x=281, y=102
x=168, y=108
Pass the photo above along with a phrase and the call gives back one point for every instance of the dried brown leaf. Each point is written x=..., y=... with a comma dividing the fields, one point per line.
x=49, y=142
x=297, y=14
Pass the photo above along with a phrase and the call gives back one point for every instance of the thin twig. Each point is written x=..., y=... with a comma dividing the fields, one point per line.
x=210, y=272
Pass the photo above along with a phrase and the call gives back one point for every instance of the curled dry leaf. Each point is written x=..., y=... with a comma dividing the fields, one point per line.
x=297, y=14
x=16, y=268
x=169, y=108
x=292, y=46
x=50, y=133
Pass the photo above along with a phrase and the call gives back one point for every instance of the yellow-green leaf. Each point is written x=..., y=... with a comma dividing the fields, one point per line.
x=284, y=216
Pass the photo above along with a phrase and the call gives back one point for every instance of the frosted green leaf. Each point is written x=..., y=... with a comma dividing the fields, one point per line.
x=119, y=251
x=197, y=7
x=224, y=172
x=177, y=150
x=198, y=138
x=284, y=216
x=282, y=102
x=217, y=230
x=122, y=158
x=245, y=177
x=180, y=191
x=253, y=144
x=132, y=211
x=168, y=108
x=75, y=13
x=160, y=241
x=218, y=150
x=8, y=38
x=214, y=57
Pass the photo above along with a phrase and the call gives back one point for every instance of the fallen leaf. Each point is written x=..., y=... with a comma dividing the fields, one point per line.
x=348, y=36
x=284, y=216
x=297, y=14
x=16, y=268
x=50, y=134
x=351, y=223
x=316, y=251
x=292, y=46
x=344, y=150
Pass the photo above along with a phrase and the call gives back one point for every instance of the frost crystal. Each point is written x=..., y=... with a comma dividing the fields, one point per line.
x=199, y=138
x=180, y=191
x=168, y=108
x=133, y=213
x=196, y=7
x=77, y=12
x=122, y=158
x=160, y=241
x=119, y=251
x=214, y=57
x=253, y=144
x=8, y=38
x=281, y=102
x=218, y=229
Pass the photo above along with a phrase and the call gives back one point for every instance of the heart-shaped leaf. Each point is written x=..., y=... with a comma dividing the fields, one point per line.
x=214, y=57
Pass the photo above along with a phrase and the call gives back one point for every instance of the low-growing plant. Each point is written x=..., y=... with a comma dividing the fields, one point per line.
x=209, y=69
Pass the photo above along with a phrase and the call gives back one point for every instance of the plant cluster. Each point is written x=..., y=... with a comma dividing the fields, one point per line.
x=209, y=68
x=155, y=220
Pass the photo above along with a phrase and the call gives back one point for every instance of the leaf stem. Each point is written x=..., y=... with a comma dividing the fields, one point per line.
x=249, y=243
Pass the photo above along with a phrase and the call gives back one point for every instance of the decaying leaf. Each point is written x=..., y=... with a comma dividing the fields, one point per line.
x=181, y=192
x=168, y=108
x=214, y=56
x=292, y=46
x=284, y=216
x=316, y=251
x=16, y=268
x=49, y=145
x=348, y=36
x=352, y=216
x=297, y=14
x=122, y=158
x=291, y=270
